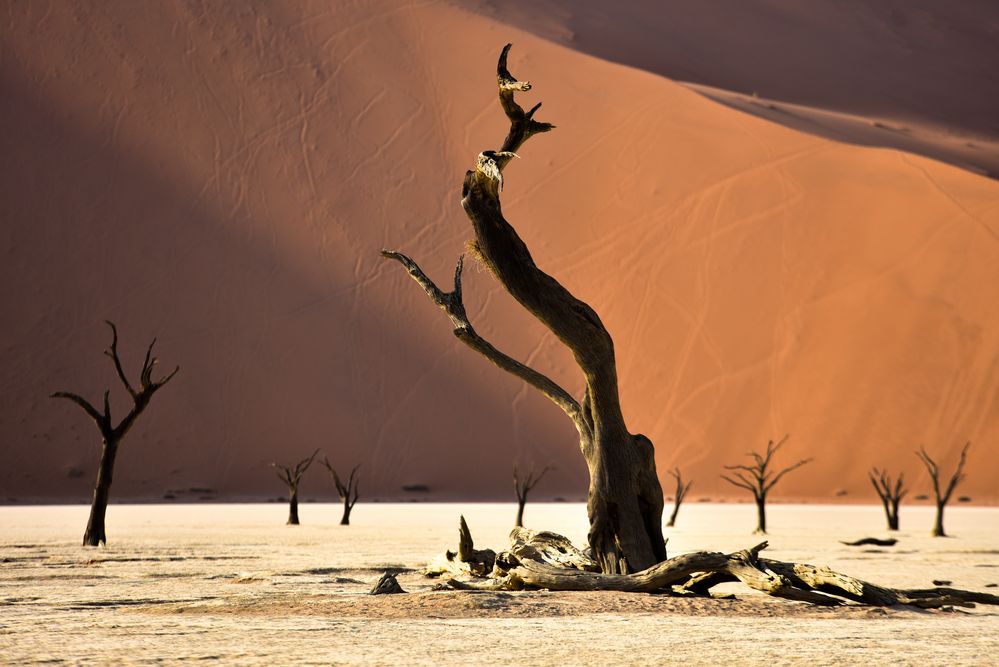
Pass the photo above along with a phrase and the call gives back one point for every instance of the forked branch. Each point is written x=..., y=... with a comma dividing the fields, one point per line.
x=453, y=306
x=140, y=398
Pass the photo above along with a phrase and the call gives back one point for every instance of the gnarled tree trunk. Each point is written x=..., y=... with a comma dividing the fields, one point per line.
x=942, y=496
x=625, y=502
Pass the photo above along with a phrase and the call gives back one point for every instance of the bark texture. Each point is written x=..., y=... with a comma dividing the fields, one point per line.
x=544, y=560
x=348, y=492
x=890, y=492
x=111, y=435
x=625, y=500
x=760, y=478
x=942, y=497
x=679, y=495
x=292, y=476
x=522, y=485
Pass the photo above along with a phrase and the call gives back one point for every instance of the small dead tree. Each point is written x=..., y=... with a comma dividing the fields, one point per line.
x=111, y=436
x=759, y=479
x=292, y=475
x=944, y=497
x=625, y=499
x=522, y=486
x=681, y=492
x=348, y=491
x=890, y=492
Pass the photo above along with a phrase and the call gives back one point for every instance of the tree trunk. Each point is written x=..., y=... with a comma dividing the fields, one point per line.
x=938, y=529
x=95, y=535
x=676, y=510
x=893, y=516
x=293, y=507
x=520, y=512
x=345, y=519
x=761, y=515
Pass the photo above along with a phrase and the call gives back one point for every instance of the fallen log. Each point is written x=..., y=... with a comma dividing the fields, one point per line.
x=875, y=541
x=542, y=560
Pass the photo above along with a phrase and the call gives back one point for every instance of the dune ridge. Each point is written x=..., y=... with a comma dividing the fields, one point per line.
x=224, y=177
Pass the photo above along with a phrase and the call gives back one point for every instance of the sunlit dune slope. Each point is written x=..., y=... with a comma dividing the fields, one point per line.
x=223, y=177
x=919, y=75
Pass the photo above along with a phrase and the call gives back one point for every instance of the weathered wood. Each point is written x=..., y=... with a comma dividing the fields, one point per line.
x=544, y=560
x=387, y=585
x=759, y=479
x=890, y=493
x=467, y=560
x=625, y=500
x=292, y=476
x=112, y=436
x=943, y=497
x=679, y=495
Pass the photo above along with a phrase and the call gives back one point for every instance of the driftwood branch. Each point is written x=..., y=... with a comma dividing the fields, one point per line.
x=544, y=560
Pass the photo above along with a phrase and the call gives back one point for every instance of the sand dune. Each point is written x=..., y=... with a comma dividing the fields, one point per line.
x=916, y=75
x=223, y=178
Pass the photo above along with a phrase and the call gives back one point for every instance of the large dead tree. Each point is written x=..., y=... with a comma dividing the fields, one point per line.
x=523, y=485
x=292, y=476
x=890, y=492
x=625, y=500
x=348, y=492
x=679, y=495
x=112, y=435
x=548, y=561
x=943, y=497
x=759, y=479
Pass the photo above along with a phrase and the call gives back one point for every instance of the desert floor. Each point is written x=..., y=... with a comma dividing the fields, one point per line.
x=232, y=583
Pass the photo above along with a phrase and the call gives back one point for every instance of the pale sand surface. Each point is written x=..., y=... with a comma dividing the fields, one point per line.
x=231, y=583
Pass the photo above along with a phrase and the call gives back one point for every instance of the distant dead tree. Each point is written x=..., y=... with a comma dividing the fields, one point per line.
x=111, y=436
x=890, y=492
x=759, y=479
x=292, y=475
x=679, y=495
x=523, y=486
x=348, y=491
x=943, y=498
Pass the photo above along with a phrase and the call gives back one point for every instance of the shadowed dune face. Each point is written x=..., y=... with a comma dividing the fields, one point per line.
x=224, y=179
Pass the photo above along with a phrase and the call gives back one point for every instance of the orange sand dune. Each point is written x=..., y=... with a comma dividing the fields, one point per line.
x=224, y=176
x=918, y=75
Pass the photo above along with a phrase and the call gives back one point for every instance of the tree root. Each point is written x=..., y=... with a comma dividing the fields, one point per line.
x=544, y=560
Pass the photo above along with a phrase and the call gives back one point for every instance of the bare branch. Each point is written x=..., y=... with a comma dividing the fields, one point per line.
x=742, y=482
x=958, y=475
x=113, y=353
x=451, y=303
x=783, y=472
x=83, y=403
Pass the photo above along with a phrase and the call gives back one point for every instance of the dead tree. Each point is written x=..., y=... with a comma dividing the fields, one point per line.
x=679, y=495
x=348, y=491
x=625, y=500
x=890, y=493
x=541, y=560
x=523, y=486
x=944, y=497
x=759, y=479
x=292, y=475
x=111, y=436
